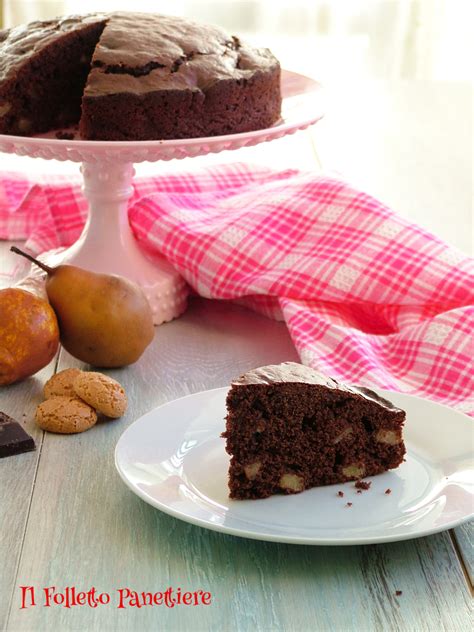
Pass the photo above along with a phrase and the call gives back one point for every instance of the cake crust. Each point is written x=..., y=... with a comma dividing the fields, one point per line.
x=293, y=372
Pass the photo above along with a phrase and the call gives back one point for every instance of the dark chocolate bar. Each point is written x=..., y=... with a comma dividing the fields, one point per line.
x=13, y=439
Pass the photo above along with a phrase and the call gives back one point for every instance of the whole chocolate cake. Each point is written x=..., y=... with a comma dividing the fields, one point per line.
x=134, y=76
x=290, y=428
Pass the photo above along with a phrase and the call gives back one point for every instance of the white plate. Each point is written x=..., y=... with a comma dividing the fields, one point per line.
x=174, y=459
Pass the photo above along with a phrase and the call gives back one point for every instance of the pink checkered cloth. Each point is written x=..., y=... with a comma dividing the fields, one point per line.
x=368, y=297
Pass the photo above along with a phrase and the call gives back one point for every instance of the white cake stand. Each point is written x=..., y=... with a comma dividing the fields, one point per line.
x=107, y=244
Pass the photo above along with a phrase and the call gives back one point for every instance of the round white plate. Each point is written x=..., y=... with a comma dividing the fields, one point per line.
x=174, y=459
x=302, y=105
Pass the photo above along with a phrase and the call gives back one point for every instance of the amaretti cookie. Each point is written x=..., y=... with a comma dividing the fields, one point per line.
x=65, y=415
x=61, y=383
x=102, y=393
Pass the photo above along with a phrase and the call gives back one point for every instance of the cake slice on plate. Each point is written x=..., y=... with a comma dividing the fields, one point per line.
x=290, y=428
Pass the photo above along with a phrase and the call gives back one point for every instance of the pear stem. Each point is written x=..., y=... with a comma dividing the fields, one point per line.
x=40, y=264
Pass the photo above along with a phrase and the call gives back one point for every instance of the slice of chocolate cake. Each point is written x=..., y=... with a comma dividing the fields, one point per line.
x=290, y=428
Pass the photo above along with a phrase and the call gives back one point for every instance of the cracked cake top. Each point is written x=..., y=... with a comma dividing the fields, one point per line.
x=191, y=55
x=168, y=53
x=295, y=373
x=19, y=44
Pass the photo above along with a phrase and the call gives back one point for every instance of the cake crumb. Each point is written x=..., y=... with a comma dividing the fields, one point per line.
x=348, y=504
x=388, y=491
x=359, y=491
x=340, y=494
x=399, y=592
x=64, y=136
x=362, y=485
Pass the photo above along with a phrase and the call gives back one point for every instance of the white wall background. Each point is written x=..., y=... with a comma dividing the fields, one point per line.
x=397, y=77
x=410, y=39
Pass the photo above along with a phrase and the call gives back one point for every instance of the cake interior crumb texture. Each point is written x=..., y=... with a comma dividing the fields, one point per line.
x=134, y=76
x=289, y=428
x=51, y=65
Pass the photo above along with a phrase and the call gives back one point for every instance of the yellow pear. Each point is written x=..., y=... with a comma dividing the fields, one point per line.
x=104, y=319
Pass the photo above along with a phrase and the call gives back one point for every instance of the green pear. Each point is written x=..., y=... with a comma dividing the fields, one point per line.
x=104, y=319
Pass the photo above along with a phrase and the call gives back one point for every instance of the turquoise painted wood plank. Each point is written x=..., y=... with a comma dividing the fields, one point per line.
x=87, y=529
x=17, y=473
x=464, y=536
x=255, y=586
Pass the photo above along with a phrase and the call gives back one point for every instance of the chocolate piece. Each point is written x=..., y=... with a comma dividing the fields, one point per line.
x=290, y=428
x=13, y=439
x=140, y=77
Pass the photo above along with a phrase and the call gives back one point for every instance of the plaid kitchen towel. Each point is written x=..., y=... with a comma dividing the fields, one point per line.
x=368, y=297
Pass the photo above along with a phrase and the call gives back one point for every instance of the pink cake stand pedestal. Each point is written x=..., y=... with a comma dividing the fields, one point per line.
x=107, y=244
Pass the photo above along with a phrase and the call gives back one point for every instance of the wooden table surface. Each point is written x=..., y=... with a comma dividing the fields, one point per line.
x=66, y=519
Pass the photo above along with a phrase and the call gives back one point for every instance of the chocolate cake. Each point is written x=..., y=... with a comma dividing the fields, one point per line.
x=289, y=428
x=139, y=76
x=43, y=69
